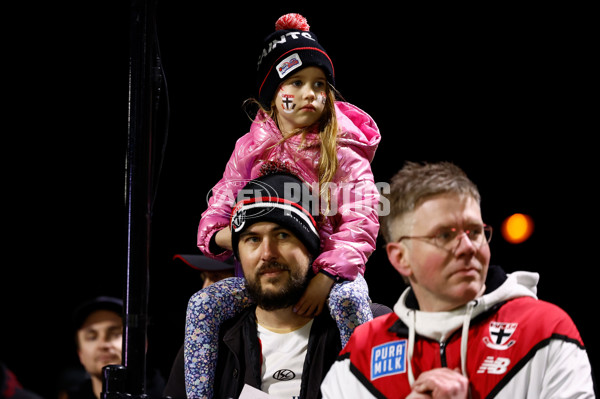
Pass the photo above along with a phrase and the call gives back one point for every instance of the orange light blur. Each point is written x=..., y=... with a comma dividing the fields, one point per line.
x=517, y=228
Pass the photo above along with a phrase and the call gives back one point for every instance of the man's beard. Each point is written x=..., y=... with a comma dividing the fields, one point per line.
x=289, y=294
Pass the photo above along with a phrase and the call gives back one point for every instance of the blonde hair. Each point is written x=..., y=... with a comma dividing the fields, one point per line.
x=328, y=131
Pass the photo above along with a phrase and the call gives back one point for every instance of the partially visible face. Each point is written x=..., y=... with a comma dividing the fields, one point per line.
x=211, y=277
x=301, y=99
x=444, y=279
x=100, y=341
x=275, y=264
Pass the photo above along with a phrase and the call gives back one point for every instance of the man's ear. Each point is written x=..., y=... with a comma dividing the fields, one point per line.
x=398, y=256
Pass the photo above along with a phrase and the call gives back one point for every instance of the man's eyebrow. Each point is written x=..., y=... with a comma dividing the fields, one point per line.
x=274, y=229
x=450, y=225
x=246, y=232
x=279, y=229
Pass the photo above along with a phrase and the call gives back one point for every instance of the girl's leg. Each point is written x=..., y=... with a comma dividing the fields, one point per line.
x=350, y=305
x=207, y=310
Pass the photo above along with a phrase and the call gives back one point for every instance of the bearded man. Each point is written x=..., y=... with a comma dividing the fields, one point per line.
x=268, y=346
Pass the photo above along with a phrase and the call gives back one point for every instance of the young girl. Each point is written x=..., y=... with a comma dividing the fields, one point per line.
x=300, y=128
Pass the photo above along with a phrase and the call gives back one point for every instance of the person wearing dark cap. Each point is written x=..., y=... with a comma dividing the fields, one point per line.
x=98, y=325
x=302, y=128
x=211, y=270
x=265, y=345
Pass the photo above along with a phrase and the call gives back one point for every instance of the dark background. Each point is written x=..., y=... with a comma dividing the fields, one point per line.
x=503, y=92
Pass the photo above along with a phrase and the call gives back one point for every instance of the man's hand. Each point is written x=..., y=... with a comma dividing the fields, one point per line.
x=441, y=383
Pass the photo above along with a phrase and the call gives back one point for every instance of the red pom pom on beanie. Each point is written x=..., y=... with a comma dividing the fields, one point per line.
x=292, y=21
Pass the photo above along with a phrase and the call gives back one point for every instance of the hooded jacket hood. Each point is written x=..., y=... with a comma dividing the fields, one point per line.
x=358, y=129
x=439, y=326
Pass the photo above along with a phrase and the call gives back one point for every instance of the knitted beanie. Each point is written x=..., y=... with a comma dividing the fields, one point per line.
x=280, y=198
x=290, y=48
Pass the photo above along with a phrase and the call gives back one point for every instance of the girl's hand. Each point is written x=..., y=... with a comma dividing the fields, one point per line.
x=312, y=302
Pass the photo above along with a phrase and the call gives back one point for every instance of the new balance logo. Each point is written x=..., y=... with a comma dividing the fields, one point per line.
x=494, y=366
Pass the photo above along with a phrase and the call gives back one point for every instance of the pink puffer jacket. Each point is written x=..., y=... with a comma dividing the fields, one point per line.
x=348, y=235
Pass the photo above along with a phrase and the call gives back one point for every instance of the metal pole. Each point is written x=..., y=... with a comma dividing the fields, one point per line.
x=138, y=194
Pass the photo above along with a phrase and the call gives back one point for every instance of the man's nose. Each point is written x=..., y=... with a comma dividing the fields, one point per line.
x=105, y=340
x=464, y=244
x=268, y=249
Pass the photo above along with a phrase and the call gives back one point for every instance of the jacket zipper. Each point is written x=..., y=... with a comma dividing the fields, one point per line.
x=443, y=354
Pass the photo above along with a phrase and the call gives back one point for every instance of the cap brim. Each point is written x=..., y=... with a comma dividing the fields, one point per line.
x=204, y=263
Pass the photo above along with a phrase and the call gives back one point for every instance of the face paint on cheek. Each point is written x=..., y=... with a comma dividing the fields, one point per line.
x=322, y=97
x=287, y=103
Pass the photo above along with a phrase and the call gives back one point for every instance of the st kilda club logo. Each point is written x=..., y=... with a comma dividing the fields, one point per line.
x=500, y=335
x=245, y=199
x=228, y=194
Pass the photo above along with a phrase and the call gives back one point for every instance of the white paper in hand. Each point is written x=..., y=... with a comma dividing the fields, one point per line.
x=250, y=392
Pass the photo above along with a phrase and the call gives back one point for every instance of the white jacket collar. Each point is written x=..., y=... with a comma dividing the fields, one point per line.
x=439, y=325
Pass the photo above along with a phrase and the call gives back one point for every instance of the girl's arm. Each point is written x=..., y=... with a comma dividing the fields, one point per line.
x=346, y=249
x=222, y=199
x=223, y=238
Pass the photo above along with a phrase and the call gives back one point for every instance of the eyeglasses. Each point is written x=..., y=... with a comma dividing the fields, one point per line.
x=448, y=238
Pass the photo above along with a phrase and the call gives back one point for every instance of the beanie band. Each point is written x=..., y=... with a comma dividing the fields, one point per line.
x=279, y=198
x=282, y=74
x=263, y=205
